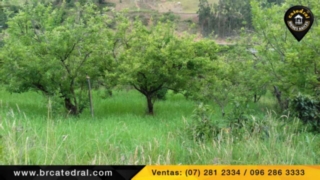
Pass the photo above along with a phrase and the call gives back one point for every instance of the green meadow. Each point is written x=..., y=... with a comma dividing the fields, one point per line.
x=121, y=133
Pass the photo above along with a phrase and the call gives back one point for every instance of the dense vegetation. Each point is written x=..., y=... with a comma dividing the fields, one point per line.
x=205, y=104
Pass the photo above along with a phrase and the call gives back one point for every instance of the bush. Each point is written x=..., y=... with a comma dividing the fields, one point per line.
x=169, y=16
x=166, y=17
x=307, y=108
x=238, y=114
x=202, y=127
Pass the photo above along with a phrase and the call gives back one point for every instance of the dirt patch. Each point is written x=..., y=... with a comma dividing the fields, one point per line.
x=188, y=16
x=224, y=41
x=125, y=4
x=170, y=6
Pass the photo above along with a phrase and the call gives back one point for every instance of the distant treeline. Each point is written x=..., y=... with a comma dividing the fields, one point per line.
x=224, y=19
x=11, y=6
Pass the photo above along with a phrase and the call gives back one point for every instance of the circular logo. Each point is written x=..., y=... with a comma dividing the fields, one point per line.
x=299, y=20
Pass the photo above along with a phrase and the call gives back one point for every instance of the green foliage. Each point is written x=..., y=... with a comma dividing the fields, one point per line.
x=162, y=138
x=227, y=17
x=72, y=3
x=204, y=13
x=239, y=113
x=105, y=93
x=169, y=16
x=307, y=109
x=291, y=67
x=231, y=82
x=4, y=15
x=202, y=127
x=1, y=149
x=224, y=18
x=205, y=127
x=161, y=94
x=155, y=58
x=44, y=54
x=270, y=3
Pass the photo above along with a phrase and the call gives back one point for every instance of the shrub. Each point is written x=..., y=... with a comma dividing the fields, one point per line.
x=239, y=113
x=169, y=16
x=203, y=127
x=307, y=108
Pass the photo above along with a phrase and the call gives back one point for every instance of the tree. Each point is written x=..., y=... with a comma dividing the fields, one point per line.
x=205, y=17
x=292, y=66
x=43, y=54
x=3, y=14
x=224, y=18
x=156, y=58
x=231, y=82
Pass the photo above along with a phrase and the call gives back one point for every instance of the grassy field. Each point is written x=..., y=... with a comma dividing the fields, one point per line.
x=121, y=133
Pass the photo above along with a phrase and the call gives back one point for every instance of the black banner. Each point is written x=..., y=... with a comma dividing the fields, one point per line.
x=68, y=172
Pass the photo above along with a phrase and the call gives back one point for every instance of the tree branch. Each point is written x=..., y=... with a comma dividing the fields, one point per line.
x=40, y=87
x=145, y=77
x=140, y=90
x=71, y=50
x=81, y=63
x=114, y=48
x=156, y=89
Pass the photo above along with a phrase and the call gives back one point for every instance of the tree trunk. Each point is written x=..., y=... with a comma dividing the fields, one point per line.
x=277, y=93
x=150, y=104
x=283, y=104
x=70, y=107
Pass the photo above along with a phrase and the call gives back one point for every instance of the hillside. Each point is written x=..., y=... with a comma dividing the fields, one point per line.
x=184, y=10
x=182, y=6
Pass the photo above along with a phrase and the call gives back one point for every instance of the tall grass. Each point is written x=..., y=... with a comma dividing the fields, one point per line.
x=121, y=133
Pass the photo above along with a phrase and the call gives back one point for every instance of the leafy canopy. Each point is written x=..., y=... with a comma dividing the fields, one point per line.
x=48, y=52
